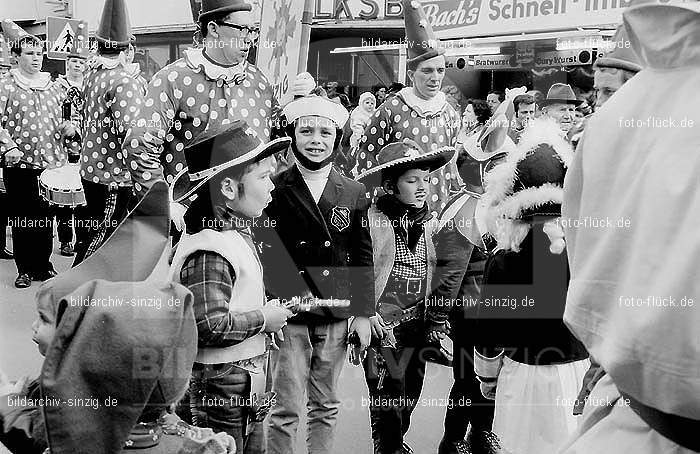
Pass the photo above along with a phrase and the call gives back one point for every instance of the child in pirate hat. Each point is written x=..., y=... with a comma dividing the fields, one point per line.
x=119, y=345
x=525, y=357
x=404, y=263
x=218, y=261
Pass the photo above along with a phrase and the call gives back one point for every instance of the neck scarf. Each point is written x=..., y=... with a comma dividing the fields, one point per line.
x=407, y=218
x=308, y=163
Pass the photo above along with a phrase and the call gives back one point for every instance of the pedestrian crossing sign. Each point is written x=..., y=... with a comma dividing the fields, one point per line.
x=65, y=36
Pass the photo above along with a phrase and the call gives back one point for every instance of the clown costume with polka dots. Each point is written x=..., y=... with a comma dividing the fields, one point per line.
x=197, y=96
x=113, y=99
x=420, y=113
x=32, y=133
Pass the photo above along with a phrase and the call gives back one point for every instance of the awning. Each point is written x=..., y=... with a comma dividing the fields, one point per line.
x=25, y=10
x=147, y=16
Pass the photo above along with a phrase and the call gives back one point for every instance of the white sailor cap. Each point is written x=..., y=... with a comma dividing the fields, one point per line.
x=316, y=106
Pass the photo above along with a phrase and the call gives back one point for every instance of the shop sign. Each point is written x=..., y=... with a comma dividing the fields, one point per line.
x=578, y=57
x=453, y=19
x=500, y=61
x=354, y=10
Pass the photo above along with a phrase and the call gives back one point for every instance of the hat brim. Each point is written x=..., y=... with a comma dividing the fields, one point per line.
x=118, y=44
x=432, y=53
x=224, y=9
x=194, y=182
x=434, y=160
x=547, y=102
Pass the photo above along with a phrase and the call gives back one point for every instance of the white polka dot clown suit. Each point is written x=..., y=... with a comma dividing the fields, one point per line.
x=432, y=123
x=112, y=103
x=192, y=99
x=30, y=116
x=397, y=119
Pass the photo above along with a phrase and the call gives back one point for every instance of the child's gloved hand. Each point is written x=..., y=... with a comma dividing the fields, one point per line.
x=435, y=332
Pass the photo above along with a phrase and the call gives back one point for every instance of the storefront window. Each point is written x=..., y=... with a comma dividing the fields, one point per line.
x=152, y=58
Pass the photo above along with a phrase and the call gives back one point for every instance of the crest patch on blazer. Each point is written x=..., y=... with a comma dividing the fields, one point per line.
x=340, y=218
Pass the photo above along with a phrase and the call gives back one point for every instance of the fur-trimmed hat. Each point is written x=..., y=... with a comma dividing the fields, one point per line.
x=529, y=183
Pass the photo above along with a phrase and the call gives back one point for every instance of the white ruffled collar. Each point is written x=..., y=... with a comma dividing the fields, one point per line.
x=424, y=108
x=229, y=74
x=41, y=82
x=133, y=69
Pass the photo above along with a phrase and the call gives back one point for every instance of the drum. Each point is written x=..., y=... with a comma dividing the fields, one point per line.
x=62, y=186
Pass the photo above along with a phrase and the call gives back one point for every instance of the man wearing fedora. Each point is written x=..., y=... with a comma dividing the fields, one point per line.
x=200, y=94
x=217, y=260
x=114, y=97
x=421, y=112
x=560, y=106
x=317, y=244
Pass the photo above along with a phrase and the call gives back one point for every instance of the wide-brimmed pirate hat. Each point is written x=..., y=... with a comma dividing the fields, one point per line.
x=130, y=254
x=408, y=154
x=125, y=337
x=316, y=106
x=115, y=26
x=421, y=42
x=237, y=145
x=211, y=8
x=14, y=33
x=561, y=94
x=529, y=183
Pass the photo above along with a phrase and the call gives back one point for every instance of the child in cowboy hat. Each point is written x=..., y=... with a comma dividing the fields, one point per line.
x=146, y=347
x=217, y=260
x=318, y=245
x=404, y=262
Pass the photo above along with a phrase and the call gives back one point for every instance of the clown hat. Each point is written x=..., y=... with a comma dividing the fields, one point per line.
x=408, y=154
x=212, y=8
x=4, y=53
x=115, y=27
x=316, y=106
x=237, y=145
x=14, y=33
x=422, y=44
